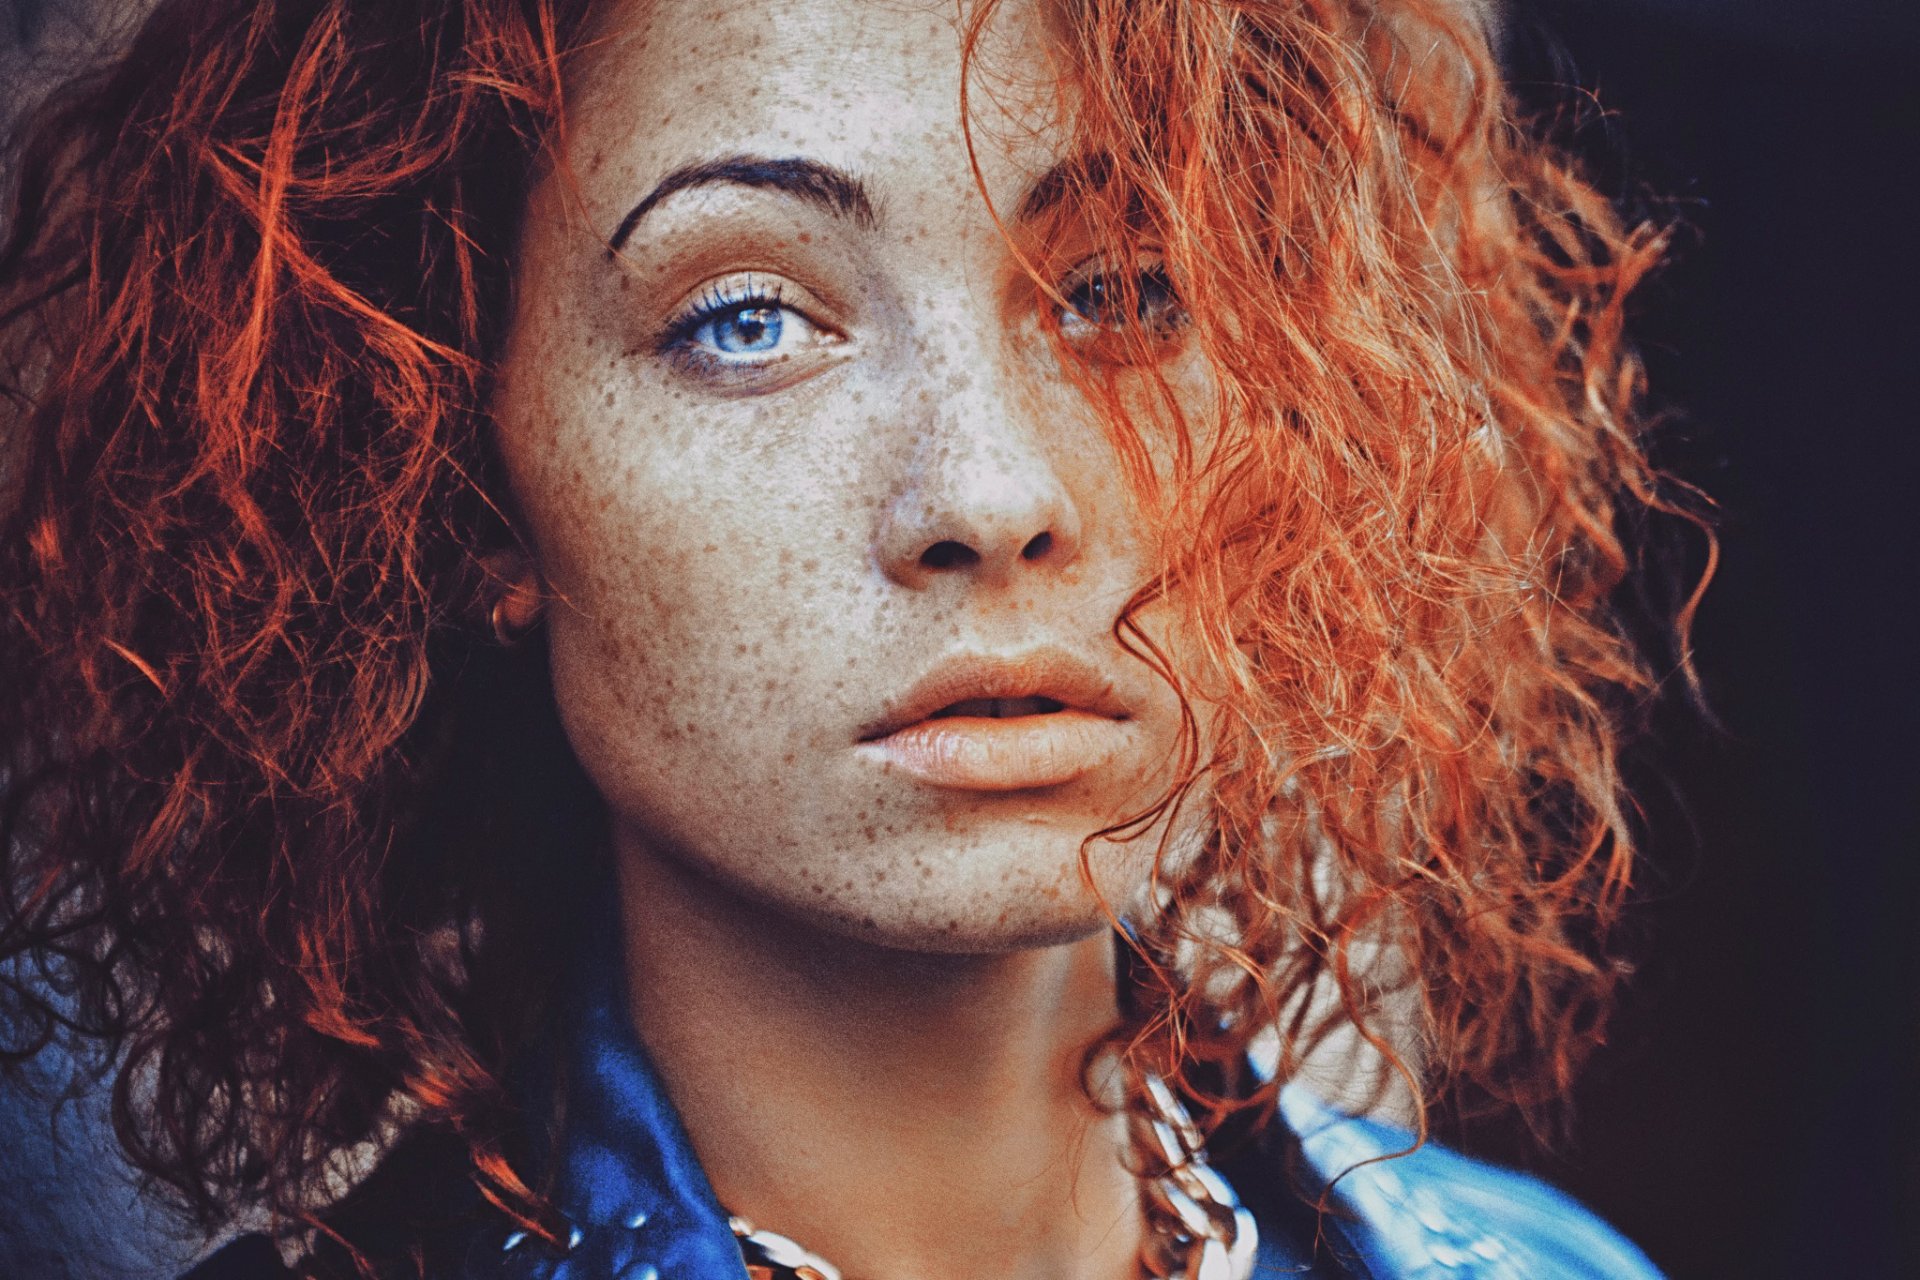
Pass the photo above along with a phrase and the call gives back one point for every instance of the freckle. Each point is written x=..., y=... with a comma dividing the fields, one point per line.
x=789, y=758
x=609, y=399
x=626, y=282
x=872, y=837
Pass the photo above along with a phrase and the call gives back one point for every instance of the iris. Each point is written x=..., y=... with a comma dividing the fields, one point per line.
x=1098, y=301
x=750, y=329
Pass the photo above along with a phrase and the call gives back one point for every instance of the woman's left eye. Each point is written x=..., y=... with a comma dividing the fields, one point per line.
x=741, y=325
x=1106, y=302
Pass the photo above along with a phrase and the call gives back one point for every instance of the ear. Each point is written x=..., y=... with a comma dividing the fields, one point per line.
x=515, y=595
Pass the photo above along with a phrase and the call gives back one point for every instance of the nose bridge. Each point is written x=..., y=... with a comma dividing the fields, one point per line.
x=982, y=491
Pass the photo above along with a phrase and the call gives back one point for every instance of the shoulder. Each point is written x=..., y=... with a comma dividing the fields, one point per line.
x=1436, y=1213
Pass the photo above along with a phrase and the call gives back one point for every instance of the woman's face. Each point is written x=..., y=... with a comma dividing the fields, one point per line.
x=836, y=549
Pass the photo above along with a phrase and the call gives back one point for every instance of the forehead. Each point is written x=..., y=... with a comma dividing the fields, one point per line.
x=873, y=86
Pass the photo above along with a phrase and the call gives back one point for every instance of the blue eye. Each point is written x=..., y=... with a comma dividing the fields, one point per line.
x=751, y=328
x=741, y=327
x=1099, y=301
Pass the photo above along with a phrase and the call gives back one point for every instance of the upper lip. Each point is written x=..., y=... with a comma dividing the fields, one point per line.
x=1053, y=673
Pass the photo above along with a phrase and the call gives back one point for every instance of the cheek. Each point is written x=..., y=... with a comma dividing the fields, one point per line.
x=679, y=619
x=674, y=696
x=698, y=645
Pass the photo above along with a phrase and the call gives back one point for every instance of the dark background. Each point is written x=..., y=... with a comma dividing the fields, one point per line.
x=1754, y=1115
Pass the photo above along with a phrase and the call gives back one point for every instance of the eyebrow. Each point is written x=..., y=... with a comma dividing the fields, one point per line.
x=837, y=191
x=816, y=183
x=1050, y=189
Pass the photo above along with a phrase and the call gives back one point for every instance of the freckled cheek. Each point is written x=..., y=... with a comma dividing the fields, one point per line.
x=697, y=621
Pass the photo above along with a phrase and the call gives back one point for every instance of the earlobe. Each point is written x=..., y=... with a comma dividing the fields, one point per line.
x=515, y=595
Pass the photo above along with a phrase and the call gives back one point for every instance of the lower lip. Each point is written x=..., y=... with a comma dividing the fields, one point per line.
x=977, y=753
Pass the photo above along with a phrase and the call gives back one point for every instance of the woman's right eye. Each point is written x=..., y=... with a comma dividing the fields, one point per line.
x=741, y=325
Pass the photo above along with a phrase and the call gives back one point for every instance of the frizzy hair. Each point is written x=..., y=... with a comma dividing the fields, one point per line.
x=1395, y=557
x=267, y=807
x=252, y=282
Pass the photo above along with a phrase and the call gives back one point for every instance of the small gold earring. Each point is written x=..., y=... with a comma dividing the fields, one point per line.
x=504, y=633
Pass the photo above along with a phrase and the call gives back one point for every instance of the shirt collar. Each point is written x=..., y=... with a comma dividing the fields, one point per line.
x=639, y=1204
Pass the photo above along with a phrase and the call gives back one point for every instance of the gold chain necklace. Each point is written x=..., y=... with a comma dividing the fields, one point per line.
x=1196, y=1228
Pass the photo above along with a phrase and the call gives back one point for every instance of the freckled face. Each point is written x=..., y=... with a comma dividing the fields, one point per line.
x=835, y=548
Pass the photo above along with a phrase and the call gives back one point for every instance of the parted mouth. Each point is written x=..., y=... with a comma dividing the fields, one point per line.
x=1032, y=683
x=999, y=708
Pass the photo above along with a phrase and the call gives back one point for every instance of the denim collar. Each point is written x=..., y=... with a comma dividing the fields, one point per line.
x=639, y=1204
x=641, y=1207
x=628, y=1180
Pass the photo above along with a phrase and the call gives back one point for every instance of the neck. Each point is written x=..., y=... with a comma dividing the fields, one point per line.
x=901, y=1114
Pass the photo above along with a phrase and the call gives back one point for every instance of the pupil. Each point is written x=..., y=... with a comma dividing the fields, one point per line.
x=755, y=328
x=1094, y=301
x=1090, y=301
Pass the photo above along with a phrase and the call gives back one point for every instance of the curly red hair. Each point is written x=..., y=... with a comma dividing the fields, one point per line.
x=269, y=805
x=1395, y=557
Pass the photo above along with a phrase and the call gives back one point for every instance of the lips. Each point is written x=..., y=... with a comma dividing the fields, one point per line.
x=999, y=708
x=981, y=723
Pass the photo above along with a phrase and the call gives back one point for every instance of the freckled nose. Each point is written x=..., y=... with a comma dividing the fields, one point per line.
x=981, y=500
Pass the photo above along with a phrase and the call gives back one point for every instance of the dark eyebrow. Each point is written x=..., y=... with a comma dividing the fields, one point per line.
x=835, y=190
x=1077, y=173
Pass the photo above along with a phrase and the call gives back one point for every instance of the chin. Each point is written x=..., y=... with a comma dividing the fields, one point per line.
x=970, y=935
x=979, y=908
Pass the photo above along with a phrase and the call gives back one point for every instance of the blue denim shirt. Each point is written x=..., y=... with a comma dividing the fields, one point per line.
x=642, y=1208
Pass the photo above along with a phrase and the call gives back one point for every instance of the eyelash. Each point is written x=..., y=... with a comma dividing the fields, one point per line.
x=714, y=302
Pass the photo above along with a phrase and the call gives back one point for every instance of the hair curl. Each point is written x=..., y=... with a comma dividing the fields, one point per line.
x=269, y=806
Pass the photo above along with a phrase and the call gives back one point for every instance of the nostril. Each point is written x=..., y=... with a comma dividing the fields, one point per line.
x=949, y=555
x=1041, y=544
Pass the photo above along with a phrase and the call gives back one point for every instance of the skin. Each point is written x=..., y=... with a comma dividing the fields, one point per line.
x=861, y=990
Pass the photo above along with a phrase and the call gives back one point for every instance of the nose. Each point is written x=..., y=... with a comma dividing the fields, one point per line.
x=982, y=498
